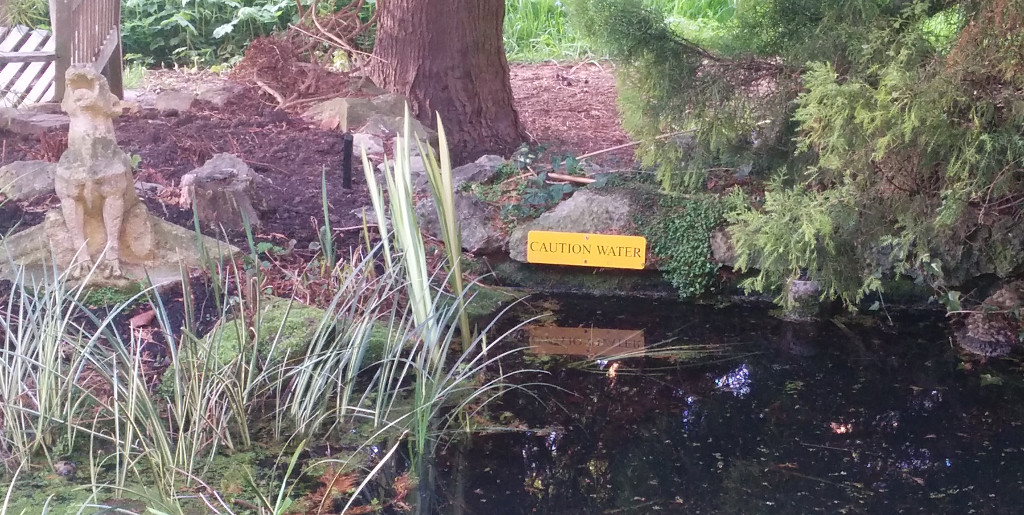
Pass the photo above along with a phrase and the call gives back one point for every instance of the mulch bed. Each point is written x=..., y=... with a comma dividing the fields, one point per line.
x=570, y=109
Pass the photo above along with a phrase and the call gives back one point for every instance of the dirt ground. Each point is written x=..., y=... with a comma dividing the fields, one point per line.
x=568, y=108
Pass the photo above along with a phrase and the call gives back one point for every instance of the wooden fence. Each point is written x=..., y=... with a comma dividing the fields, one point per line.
x=85, y=33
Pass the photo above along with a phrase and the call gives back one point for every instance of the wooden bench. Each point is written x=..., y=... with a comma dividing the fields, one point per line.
x=33, y=62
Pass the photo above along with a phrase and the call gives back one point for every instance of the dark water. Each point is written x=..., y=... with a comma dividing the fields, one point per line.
x=820, y=418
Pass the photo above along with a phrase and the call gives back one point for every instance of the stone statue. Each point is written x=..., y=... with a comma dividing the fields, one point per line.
x=103, y=217
x=101, y=224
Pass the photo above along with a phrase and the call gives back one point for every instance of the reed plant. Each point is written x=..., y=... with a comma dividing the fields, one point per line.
x=391, y=353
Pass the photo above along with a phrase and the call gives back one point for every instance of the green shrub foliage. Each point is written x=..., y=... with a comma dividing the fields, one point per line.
x=892, y=128
x=208, y=31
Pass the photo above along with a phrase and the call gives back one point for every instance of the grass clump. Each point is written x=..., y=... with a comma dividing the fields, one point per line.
x=390, y=358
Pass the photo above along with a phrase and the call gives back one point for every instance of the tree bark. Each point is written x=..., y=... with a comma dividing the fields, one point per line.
x=448, y=57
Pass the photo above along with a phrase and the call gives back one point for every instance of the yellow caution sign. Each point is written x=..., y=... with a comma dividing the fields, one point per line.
x=581, y=249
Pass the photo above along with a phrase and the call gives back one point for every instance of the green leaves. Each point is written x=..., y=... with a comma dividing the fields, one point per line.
x=168, y=31
x=678, y=234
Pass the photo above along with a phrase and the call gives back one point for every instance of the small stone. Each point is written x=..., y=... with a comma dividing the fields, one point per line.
x=218, y=95
x=416, y=166
x=24, y=180
x=148, y=188
x=373, y=145
x=722, y=251
x=343, y=114
x=366, y=86
x=221, y=192
x=803, y=300
x=65, y=469
x=490, y=160
x=174, y=101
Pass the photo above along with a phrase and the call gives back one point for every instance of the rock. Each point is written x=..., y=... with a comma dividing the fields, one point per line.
x=993, y=329
x=491, y=160
x=341, y=113
x=148, y=188
x=349, y=113
x=589, y=211
x=31, y=122
x=370, y=143
x=174, y=101
x=722, y=251
x=480, y=171
x=366, y=86
x=420, y=183
x=388, y=126
x=369, y=214
x=476, y=219
x=219, y=94
x=24, y=180
x=803, y=300
x=221, y=192
x=66, y=469
x=390, y=104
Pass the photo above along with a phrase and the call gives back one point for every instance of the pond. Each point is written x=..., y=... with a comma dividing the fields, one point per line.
x=859, y=416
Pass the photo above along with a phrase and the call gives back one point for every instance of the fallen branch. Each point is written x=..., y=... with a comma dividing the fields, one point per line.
x=270, y=91
x=570, y=178
x=630, y=144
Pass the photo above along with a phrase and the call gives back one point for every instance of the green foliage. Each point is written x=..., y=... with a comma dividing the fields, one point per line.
x=535, y=196
x=798, y=232
x=538, y=30
x=532, y=194
x=199, y=32
x=31, y=13
x=894, y=128
x=678, y=234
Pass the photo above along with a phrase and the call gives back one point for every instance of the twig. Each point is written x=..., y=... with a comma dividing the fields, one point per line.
x=245, y=504
x=570, y=178
x=630, y=144
x=277, y=96
x=354, y=227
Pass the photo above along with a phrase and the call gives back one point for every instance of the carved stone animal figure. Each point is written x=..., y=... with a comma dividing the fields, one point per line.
x=105, y=220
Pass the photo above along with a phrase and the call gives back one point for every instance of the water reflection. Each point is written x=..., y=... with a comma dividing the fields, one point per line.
x=736, y=381
x=851, y=420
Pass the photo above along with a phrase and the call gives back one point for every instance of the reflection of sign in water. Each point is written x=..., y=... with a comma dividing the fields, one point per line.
x=580, y=249
x=578, y=341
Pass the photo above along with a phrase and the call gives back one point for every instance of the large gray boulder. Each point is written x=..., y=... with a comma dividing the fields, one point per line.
x=222, y=192
x=589, y=211
x=24, y=180
x=476, y=221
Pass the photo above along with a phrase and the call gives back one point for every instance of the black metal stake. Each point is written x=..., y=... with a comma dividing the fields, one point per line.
x=346, y=162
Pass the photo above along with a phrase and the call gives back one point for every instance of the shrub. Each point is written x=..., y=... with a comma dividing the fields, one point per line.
x=893, y=127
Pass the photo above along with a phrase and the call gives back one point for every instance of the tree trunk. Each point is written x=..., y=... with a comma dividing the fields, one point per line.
x=447, y=57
